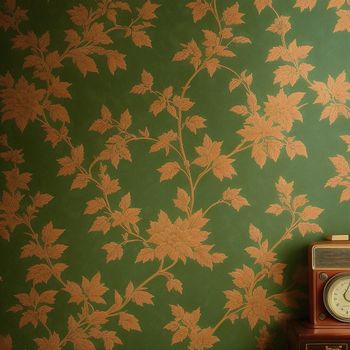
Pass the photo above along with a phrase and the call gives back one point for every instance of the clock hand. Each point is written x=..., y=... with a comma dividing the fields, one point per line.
x=346, y=292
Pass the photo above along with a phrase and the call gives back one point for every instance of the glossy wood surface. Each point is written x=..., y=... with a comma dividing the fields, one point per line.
x=303, y=336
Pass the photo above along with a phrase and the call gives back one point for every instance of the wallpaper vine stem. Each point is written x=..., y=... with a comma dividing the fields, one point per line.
x=171, y=208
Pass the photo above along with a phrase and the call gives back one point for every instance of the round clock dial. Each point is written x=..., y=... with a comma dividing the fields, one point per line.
x=336, y=296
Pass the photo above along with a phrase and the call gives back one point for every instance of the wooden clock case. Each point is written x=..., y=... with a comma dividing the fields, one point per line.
x=322, y=331
x=326, y=259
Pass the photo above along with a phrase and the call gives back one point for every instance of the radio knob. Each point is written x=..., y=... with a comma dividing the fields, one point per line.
x=323, y=276
x=322, y=316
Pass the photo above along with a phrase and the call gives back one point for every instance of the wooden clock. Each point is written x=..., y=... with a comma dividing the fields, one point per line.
x=329, y=284
x=328, y=327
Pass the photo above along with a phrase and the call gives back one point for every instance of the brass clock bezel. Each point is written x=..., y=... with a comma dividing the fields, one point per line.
x=326, y=289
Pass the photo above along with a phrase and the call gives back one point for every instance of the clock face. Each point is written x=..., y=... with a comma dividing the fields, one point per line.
x=336, y=296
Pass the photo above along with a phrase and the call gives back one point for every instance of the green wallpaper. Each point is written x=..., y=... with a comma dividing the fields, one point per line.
x=164, y=166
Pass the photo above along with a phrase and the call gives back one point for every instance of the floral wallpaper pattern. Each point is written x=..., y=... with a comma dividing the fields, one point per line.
x=164, y=166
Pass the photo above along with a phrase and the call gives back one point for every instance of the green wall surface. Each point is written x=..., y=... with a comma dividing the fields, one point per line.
x=164, y=166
